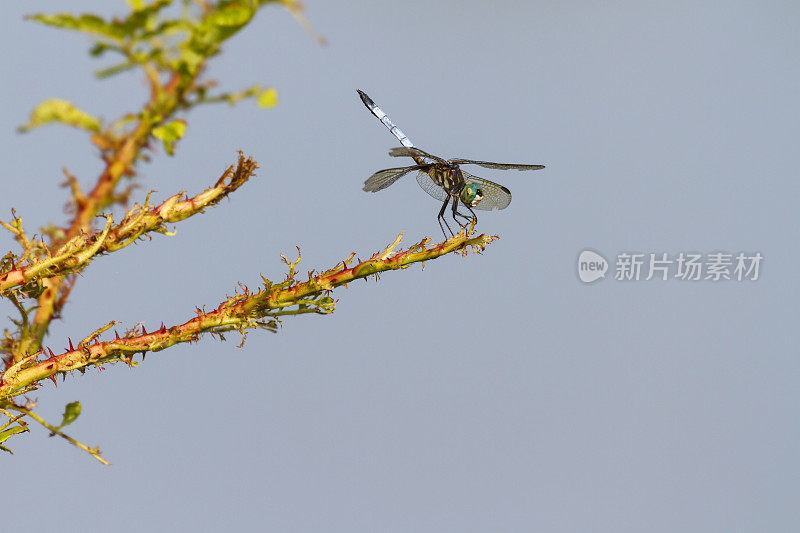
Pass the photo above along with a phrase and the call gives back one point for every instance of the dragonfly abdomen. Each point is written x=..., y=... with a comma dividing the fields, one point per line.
x=380, y=115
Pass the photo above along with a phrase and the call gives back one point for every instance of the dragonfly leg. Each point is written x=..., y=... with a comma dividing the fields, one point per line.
x=474, y=216
x=441, y=218
x=462, y=215
x=456, y=214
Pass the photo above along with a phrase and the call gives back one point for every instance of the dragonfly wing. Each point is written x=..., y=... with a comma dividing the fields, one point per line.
x=499, y=166
x=405, y=151
x=430, y=187
x=383, y=178
x=495, y=196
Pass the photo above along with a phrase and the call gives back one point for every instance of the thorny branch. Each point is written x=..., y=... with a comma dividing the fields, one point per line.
x=76, y=253
x=245, y=310
x=172, y=55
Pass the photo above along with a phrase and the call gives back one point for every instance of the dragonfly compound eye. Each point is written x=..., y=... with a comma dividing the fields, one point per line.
x=471, y=194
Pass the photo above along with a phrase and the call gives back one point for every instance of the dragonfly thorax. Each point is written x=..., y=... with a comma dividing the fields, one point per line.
x=448, y=177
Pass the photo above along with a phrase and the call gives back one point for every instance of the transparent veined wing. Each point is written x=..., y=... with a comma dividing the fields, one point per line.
x=495, y=196
x=499, y=166
x=383, y=178
x=430, y=187
x=405, y=151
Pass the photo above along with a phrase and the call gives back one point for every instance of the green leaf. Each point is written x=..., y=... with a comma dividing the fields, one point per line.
x=267, y=98
x=190, y=60
x=71, y=412
x=99, y=48
x=143, y=16
x=5, y=434
x=55, y=110
x=221, y=23
x=33, y=289
x=232, y=14
x=91, y=24
x=170, y=133
x=115, y=69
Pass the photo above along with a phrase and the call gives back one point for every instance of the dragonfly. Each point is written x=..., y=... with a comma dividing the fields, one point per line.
x=443, y=179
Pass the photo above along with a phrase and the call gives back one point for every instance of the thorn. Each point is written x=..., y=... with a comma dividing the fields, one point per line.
x=163, y=329
x=70, y=345
x=144, y=331
x=51, y=352
x=117, y=334
x=53, y=377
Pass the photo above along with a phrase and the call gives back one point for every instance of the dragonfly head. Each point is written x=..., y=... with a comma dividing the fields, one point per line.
x=471, y=194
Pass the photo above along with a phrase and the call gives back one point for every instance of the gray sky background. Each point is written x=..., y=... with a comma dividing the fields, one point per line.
x=496, y=393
